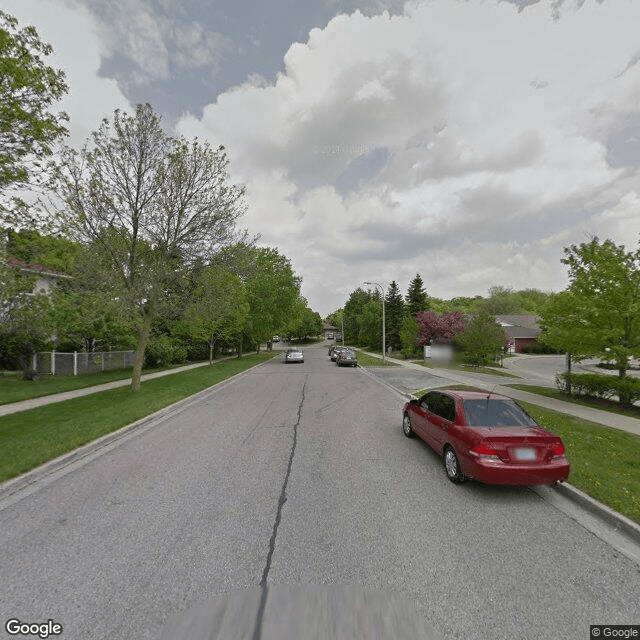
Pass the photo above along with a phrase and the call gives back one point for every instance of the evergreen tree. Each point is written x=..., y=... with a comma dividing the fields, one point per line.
x=417, y=299
x=394, y=313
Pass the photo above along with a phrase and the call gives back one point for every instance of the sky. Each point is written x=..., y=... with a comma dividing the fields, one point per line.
x=469, y=141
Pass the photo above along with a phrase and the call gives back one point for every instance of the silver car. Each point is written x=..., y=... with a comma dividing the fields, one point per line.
x=293, y=355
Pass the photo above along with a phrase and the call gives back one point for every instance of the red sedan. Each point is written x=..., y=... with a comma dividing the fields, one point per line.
x=486, y=437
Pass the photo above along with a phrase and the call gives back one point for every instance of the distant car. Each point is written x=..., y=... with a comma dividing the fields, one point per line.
x=486, y=437
x=329, y=336
x=336, y=351
x=275, y=339
x=338, y=336
x=347, y=358
x=293, y=355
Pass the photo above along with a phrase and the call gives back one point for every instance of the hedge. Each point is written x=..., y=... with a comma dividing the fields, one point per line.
x=594, y=385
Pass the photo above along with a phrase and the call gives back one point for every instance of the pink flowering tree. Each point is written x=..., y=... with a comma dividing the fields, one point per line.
x=435, y=328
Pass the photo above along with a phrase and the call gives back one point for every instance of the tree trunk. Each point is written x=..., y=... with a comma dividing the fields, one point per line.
x=211, y=345
x=143, y=337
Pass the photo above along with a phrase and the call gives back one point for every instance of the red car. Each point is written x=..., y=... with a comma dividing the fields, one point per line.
x=486, y=437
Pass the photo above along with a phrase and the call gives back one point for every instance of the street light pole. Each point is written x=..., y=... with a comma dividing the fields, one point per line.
x=384, y=342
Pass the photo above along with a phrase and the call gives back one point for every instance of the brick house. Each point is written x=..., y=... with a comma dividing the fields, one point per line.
x=522, y=331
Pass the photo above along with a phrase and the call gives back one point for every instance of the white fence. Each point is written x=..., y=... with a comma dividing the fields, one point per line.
x=58, y=363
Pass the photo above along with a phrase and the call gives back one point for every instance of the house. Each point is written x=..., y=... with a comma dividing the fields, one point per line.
x=522, y=331
x=328, y=328
x=45, y=278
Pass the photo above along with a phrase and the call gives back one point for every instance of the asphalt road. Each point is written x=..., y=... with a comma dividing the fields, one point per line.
x=298, y=474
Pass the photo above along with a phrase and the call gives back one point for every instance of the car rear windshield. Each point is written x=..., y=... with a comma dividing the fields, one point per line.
x=495, y=413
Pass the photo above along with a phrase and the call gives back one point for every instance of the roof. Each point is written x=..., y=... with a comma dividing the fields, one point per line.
x=521, y=332
x=34, y=268
x=531, y=322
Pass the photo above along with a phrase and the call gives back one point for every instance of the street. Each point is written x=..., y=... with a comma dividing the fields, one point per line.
x=298, y=474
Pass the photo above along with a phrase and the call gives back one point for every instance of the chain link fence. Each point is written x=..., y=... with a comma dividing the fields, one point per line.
x=59, y=363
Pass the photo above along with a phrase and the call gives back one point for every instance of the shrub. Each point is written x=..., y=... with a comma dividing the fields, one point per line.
x=538, y=348
x=594, y=385
x=163, y=350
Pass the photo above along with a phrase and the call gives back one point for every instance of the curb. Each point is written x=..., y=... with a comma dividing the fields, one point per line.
x=602, y=511
x=14, y=485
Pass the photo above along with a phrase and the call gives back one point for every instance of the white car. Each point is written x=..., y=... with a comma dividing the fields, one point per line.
x=293, y=355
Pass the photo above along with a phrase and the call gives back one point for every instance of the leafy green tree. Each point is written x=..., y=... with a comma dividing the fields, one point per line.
x=394, y=313
x=598, y=315
x=218, y=309
x=335, y=318
x=28, y=89
x=24, y=318
x=304, y=322
x=272, y=292
x=353, y=310
x=150, y=204
x=416, y=298
x=370, y=324
x=501, y=301
x=30, y=246
x=409, y=332
x=482, y=338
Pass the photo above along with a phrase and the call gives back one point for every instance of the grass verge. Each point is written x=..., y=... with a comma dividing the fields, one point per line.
x=365, y=360
x=469, y=369
x=31, y=438
x=595, y=403
x=14, y=389
x=604, y=461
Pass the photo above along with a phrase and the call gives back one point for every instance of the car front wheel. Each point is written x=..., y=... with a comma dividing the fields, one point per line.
x=452, y=466
x=407, y=429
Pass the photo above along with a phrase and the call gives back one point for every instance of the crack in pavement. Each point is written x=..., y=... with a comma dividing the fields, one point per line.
x=257, y=632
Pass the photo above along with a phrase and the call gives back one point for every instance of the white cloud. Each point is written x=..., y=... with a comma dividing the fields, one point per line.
x=495, y=124
x=466, y=140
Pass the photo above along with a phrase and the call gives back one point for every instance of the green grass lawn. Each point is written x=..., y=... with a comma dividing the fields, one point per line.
x=365, y=360
x=14, y=389
x=604, y=461
x=594, y=403
x=31, y=438
x=456, y=366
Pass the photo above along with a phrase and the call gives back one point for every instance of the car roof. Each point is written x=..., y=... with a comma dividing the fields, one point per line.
x=294, y=349
x=471, y=395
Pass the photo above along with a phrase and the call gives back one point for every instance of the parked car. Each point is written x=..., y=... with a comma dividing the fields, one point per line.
x=486, y=437
x=329, y=336
x=338, y=336
x=293, y=354
x=336, y=351
x=275, y=339
x=347, y=358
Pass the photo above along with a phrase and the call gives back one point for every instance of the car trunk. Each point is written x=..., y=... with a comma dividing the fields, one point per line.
x=519, y=444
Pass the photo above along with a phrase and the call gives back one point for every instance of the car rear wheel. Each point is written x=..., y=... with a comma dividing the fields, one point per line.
x=407, y=429
x=452, y=466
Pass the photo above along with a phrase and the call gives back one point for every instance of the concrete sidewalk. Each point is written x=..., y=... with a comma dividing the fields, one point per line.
x=32, y=403
x=606, y=418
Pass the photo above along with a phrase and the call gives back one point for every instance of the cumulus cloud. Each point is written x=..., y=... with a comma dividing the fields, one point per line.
x=500, y=132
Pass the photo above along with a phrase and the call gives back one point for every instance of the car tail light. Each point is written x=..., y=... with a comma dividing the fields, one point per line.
x=483, y=449
x=558, y=449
